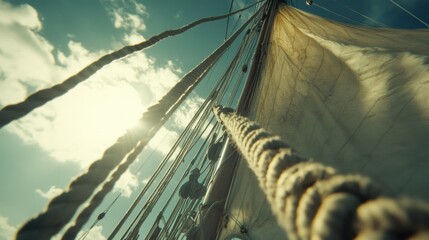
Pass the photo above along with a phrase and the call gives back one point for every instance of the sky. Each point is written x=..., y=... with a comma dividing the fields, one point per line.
x=44, y=42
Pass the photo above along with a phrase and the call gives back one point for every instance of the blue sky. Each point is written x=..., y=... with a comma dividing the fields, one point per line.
x=43, y=42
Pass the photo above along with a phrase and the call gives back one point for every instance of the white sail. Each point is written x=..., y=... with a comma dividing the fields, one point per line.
x=353, y=98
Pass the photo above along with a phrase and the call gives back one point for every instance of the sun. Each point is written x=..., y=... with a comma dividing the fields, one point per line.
x=88, y=120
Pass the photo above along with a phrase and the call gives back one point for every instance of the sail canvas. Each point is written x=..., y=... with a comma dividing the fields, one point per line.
x=350, y=97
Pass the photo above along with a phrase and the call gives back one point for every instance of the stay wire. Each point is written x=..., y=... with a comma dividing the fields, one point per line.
x=206, y=177
x=242, y=74
x=363, y=15
x=409, y=13
x=99, y=218
x=337, y=14
x=233, y=66
x=227, y=20
x=164, y=181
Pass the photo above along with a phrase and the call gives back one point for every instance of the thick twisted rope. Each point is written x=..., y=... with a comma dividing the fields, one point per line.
x=15, y=111
x=313, y=201
x=86, y=213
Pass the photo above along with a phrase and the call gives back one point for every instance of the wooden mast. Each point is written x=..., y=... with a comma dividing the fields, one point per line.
x=210, y=224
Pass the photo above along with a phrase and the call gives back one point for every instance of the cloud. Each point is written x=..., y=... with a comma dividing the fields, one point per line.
x=52, y=192
x=130, y=17
x=7, y=231
x=95, y=234
x=126, y=184
x=23, y=15
x=127, y=20
x=81, y=124
x=25, y=56
x=187, y=110
x=78, y=58
x=133, y=38
x=145, y=181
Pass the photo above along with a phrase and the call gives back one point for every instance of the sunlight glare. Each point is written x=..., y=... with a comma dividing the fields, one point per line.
x=82, y=129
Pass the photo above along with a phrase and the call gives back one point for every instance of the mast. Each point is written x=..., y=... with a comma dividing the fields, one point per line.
x=221, y=187
x=254, y=71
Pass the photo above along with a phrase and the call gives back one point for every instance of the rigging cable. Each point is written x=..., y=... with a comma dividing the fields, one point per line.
x=214, y=93
x=232, y=68
x=337, y=14
x=99, y=218
x=192, y=206
x=239, y=17
x=146, y=160
x=410, y=13
x=228, y=74
x=163, y=184
x=363, y=15
x=227, y=20
x=158, y=170
x=203, y=110
x=242, y=74
x=243, y=229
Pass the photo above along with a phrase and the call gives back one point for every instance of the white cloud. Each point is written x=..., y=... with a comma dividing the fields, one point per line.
x=52, y=192
x=127, y=21
x=94, y=234
x=126, y=184
x=79, y=125
x=7, y=231
x=145, y=181
x=129, y=16
x=23, y=15
x=118, y=20
x=133, y=38
x=25, y=57
x=140, y=8
x=79, y=58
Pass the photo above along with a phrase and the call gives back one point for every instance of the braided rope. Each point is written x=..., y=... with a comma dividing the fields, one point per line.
x=62, y=208
x=86, y=213
x=313, y=201
x=15, y=111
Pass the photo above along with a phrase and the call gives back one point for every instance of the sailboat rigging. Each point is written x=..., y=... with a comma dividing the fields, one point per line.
x=351, y=98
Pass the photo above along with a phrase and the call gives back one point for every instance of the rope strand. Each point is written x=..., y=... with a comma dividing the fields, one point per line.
x=409, y=13
x=313, y=201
